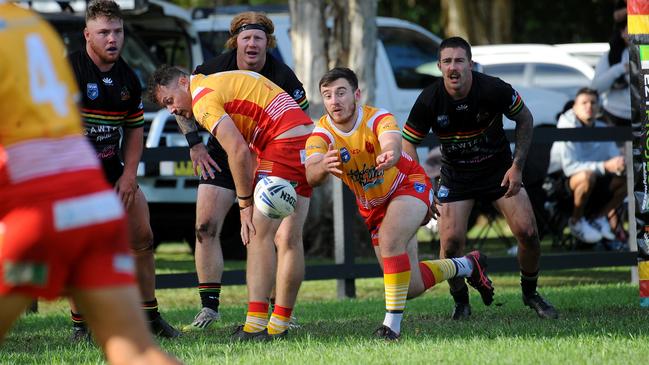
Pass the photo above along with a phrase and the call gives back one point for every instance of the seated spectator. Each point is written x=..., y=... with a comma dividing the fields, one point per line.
x=594, y=171
x=612, y=74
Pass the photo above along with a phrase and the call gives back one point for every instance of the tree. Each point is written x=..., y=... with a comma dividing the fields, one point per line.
x=478, y=21
x=350, y=42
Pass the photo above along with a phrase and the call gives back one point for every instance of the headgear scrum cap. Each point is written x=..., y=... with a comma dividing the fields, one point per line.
x=247, y=21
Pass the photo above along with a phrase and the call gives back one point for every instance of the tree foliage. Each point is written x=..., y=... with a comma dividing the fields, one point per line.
x=562, y=21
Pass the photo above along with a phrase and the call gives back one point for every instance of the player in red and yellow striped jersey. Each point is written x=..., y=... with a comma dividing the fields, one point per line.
x=362, y=146
x=62, y=228
x=245, y=111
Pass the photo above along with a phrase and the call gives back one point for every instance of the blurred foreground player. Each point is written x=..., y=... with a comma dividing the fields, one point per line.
x=62, y=228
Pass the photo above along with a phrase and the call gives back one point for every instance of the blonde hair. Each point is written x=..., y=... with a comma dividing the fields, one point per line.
x=257, y=21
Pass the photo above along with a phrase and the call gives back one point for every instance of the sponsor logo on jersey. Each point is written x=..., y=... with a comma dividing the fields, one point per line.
x=124, y=264
x=25, y=273
x=367, y=176
x=442, y=192
x=344, y=155
x=92, y=90
x=442, y=120
x=107, y=81
x=298, y=94
x=124, y=94
x=461, y=107
x=419, y=187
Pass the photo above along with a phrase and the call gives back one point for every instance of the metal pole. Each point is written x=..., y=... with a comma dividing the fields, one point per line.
x=343, y=210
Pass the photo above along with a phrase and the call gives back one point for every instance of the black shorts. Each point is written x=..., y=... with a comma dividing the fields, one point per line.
x=469, y=185
x=113, y=169
x=224, y=178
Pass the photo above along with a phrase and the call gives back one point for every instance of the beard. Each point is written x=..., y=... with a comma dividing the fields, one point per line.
x=103, y=54
x=346, y=117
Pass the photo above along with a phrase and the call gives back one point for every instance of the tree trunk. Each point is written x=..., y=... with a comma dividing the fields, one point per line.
x=338, y=41
x=308, y=38
x=501, y=21
x=478, y=21
x=351, y=43
x=362, y=45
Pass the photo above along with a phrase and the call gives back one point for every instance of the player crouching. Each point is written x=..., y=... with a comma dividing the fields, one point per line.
x=362, y=146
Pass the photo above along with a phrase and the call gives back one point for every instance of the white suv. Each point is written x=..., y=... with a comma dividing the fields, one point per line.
x=535, y=65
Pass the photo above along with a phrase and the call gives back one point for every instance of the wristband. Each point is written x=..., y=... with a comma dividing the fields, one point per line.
x=246, y=207
x=244, y=197
x=193, y=138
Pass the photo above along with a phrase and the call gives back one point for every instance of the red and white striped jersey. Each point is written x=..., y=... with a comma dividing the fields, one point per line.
x=260, y=109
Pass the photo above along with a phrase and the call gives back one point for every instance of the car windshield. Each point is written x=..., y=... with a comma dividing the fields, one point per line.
x=412, y=55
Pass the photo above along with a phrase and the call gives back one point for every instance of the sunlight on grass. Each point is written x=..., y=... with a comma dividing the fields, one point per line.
x=600, y=322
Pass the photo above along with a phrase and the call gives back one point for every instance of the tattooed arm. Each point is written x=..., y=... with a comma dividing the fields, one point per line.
x=513, y=178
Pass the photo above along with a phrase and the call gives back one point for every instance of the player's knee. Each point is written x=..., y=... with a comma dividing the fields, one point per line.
x=206, y=230
x=288, y=239
x=453, y=247
x=527, y=236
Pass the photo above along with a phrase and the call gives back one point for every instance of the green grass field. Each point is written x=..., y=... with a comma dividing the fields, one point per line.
x=601, y=323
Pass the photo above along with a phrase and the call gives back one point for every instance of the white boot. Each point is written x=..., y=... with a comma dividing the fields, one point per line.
x=604, y=228
x=584, y=232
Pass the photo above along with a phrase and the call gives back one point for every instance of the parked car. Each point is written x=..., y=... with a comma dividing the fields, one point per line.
x=535, y=65
x=587, y=52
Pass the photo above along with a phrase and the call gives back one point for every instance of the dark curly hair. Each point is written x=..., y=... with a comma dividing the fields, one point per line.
x=107, y=8
x=163, y=76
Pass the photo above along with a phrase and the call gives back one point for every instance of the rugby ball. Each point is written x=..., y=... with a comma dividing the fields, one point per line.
x=275, y=197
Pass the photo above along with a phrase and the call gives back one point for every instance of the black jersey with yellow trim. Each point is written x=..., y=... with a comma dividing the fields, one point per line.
x=110, y=101
x=470, y=130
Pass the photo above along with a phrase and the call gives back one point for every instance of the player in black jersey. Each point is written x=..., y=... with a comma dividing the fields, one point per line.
x=111, y=104
x=464, y=109
x=251, y=37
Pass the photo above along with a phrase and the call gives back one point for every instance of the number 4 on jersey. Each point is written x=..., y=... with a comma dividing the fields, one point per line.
x=43, y=82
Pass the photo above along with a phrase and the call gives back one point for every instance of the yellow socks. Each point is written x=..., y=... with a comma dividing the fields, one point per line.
x=435, y=271
x=279, y=320
x=396, y=278
x=257, y=318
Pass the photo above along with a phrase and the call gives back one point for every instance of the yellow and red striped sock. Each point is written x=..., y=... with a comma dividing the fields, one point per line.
x=279, y=320
x=396, y=278
x=435, y=271
x=257, y=318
